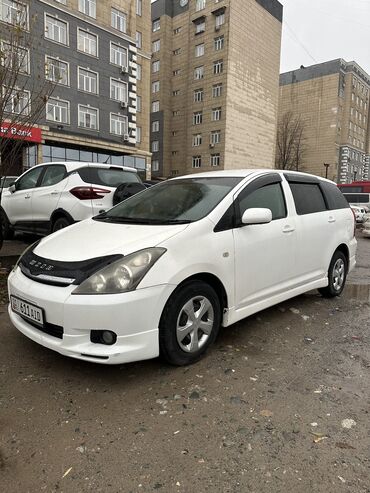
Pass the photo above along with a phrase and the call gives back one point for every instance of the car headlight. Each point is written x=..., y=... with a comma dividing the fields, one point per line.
x=123, y=275
x=31, y=247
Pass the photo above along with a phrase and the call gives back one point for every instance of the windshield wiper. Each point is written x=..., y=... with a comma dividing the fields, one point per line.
x=131, y=220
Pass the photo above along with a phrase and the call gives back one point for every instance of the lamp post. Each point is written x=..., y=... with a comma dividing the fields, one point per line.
x=326, y=169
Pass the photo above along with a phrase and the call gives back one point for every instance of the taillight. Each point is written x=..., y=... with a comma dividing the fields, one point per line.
x=89, y=193
x=354, y=222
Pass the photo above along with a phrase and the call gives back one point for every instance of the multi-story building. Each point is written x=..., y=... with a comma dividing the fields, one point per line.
x=332, y=99
x=97, y=56
x=214, y=84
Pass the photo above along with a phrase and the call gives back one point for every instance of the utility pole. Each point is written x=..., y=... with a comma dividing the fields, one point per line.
x=326, y=169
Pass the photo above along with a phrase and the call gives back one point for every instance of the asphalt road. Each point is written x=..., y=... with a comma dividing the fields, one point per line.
x=280, y=404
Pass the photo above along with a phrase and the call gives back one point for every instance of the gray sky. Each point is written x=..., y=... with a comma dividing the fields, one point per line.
x=315, y=31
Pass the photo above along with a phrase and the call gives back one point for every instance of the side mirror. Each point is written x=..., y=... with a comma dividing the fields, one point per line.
x=257, y=216
x=12, y=188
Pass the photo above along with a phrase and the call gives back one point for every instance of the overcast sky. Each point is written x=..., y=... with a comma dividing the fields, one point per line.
x=315, y=31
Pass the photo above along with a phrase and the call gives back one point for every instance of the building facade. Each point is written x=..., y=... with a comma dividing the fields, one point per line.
x=332, y=99
x=214, y=84
x=97, y=57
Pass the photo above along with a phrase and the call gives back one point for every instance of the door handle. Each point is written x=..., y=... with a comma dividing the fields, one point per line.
x=331, y=219
x=27, y=196
x=54, y=192
x=288, y=229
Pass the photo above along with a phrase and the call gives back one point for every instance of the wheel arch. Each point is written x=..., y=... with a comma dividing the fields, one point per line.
x=345, y=250
x=58, y=213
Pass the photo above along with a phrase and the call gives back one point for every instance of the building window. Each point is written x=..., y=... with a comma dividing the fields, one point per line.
x=177, y=51
x=138, y=71
x=57, y=71
x=156, y=66
x=197, y=140
x=200, y=27
x=156, y=25
x=87, y=80
x=200, y=5
x=138, y=135
x=156, y=45
x=220, y=20
x=57, y=111
x=87, y=42
x=15, y=13
x=56, y=30
x=176, y=113
x=199, y=50
x=215, y=137
x=196, y=161
x=219, y=43
x=139, y=38
x=176, y=72
x=217, y=90
x=155, y=145
x=197, y=118
x=15, y=57
x=177, y=30
x=215, y=160
x=118, y=20
x=118, y=90
x=118, y=55
x=176, y=92
x=139, y=7
x=155, y=126
x=198, y=95
x=118, y=124
x=87, y=7
x=199, y=73
x=155, y=106
x=138, y=104
x=218, y=67
x=155, y=165
x=155, y=86
x=19, y=102
x=216, y=114
x=88, y=117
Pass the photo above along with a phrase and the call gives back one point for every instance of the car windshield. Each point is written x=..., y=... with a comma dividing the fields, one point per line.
x=172, y=202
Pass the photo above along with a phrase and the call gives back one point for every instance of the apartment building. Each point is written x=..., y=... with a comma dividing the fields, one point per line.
x=214, y=84
x=97, y=56
x=332, y=99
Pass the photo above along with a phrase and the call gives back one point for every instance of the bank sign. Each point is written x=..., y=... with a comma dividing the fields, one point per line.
x=29, y=134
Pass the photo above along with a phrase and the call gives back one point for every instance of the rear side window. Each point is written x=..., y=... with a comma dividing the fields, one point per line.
x=109, y=177
x=269, y=197
x=308, y=198
x=334, y=197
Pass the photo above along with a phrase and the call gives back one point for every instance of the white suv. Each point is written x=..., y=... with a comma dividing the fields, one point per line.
x=163, y=270
x=51, y=196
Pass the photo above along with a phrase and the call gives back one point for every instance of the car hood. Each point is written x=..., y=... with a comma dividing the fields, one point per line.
x=91, y=239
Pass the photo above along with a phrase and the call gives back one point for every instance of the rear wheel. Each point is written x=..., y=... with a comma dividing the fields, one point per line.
x=7, y=231
x=60, y=223
x=189, y=324
x=337, y=275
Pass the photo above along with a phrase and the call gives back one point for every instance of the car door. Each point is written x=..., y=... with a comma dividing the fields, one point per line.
x=47, y=194
x=264, y=253
x=18, y=204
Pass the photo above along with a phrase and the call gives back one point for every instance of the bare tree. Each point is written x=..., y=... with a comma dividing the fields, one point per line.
x=24, y=85
x=290, y=144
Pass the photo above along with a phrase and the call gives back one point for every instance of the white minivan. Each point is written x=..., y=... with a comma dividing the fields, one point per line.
x=161, y=272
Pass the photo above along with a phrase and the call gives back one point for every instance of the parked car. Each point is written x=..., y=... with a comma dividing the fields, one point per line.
x=163, y=270
x=51, y=196
x=366, y=224
x=359, y=213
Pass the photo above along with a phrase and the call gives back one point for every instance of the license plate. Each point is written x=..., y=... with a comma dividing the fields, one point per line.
x=27, y=310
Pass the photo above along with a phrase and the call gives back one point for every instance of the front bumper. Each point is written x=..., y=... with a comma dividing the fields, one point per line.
x=133, y=316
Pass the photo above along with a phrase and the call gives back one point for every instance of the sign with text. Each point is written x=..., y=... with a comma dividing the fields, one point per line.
x=29, y=134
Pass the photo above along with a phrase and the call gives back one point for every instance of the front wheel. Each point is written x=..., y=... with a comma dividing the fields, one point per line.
x=6, y=229
x=189, y=324
x=337, y=275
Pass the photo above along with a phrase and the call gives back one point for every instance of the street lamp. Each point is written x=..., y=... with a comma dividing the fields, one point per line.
x=326, y=169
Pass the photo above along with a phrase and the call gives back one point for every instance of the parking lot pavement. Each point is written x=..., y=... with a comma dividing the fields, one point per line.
x=279, y=404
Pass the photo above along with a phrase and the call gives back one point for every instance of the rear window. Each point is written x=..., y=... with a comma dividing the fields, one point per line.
x=334, y=198
x=308, y=198
x=109, y=177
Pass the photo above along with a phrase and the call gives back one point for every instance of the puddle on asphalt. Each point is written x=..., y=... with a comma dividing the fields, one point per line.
x=360, y=292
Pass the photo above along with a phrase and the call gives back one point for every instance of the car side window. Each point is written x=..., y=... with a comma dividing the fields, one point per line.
x=334, y=197
x=29, y=180
x=53, y=175
x=269, y=196
x=308, y=198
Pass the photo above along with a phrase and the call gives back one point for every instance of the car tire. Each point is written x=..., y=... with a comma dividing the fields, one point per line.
x=7, y=231
x=60, y=223
x=337, y=274
x=179, y=344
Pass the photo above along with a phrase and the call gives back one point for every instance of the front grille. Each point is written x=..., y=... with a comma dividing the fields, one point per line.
x=48, y=328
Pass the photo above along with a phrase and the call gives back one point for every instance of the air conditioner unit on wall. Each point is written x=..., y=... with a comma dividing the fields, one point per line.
x=217, y=28
x=126, y=137
x=123, y=69
x=211, y=145
x=123, y=104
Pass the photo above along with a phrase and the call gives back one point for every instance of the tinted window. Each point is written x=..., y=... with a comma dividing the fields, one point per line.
x=109, y=177
x=346, y=189
x=29, y=180
x=334, y=197
x=269, y=197
x=308, y=198
x=357, y=198
x=53, y=175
